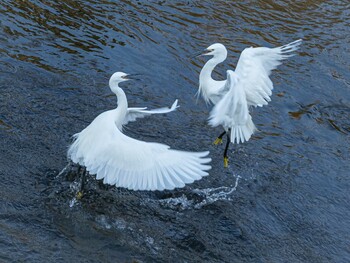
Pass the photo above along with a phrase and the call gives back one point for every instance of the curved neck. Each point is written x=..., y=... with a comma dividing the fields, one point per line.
x=208, y=69
x=121, y=110
x=205, y=79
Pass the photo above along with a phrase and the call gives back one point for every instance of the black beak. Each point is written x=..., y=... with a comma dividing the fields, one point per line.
x=201, y=53
x=132, y=76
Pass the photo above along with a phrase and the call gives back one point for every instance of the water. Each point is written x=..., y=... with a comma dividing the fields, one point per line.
x=284, y=197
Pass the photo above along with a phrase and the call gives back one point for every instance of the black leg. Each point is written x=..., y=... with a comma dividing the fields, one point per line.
x=219, y=139
x=226, y=149
x=81, y=170
x=83, y=179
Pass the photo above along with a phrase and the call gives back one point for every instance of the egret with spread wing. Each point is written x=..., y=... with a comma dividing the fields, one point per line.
x=126, y=162
x=249, y=85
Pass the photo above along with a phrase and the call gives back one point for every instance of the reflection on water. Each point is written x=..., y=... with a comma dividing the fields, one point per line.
x=42, y=31
x=292, y=196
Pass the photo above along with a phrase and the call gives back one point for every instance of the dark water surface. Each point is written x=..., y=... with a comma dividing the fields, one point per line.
x=285, y=196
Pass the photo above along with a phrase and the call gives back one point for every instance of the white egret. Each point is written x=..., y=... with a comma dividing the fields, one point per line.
x=249, y=85
x=126, y=162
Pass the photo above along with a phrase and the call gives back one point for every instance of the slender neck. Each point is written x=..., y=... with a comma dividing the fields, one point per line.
x=208, y=69
x=121, y=110
x=205, y=79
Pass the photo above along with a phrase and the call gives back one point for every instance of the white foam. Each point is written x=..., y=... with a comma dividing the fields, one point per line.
x=207, y=196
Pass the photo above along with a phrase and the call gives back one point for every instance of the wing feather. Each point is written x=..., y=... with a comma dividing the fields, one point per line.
x=232, y=111
x=133, y=164
x=254, y=67
x=135, y=113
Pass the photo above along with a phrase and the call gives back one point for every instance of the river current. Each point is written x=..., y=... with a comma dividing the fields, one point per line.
x=284, y=197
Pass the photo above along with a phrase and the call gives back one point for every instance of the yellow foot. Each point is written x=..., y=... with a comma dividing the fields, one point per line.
x=79, y=195
x=217, y=141
x=225, y=162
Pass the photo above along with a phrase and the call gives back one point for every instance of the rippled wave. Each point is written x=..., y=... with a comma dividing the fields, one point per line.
x=40, y=32
x=55, y=61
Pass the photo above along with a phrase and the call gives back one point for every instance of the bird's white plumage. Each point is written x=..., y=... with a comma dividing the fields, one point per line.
x=136, y=113
x=232, y=111
x=254, y=67
x=248, y=85
x=126, y=162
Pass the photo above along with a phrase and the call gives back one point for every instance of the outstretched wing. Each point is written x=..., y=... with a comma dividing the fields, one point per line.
x=125, y=162
x=134, y=113
x=254, y=67
x=232, y=111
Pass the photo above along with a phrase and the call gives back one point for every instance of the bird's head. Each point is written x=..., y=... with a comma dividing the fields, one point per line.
x=117, y=78
x=216, y=49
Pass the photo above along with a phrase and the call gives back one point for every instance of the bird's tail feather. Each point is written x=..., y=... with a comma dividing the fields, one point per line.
x=242, y=133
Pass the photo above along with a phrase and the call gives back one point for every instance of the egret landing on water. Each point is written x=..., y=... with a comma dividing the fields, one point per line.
x=125, y=162
x=249, y=85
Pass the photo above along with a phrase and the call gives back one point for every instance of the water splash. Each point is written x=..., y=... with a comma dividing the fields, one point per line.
x=177, y=203
x=198, y=198
x=64, y=171
x=74, y=189
x=102, y=221
x=72, y=202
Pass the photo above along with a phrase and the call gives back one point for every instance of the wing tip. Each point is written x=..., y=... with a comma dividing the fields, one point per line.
x=175, y=105
x=290, y=47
